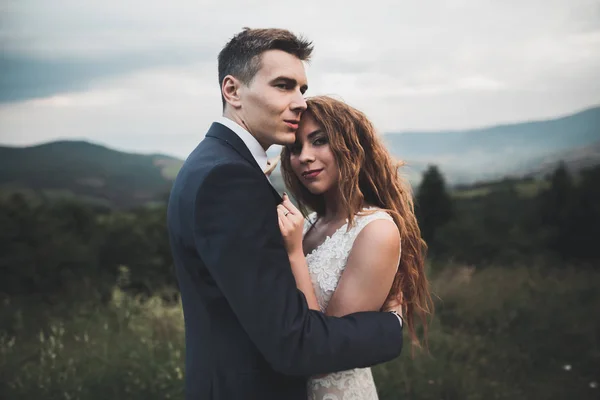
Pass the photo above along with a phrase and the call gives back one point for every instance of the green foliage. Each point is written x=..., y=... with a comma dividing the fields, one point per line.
x=586, y=216
x=557, y=204
x=139, y=241
x=433, y=203
x=48, y=247
x=520, y=333
x=517, y=220
x=572, y=213
x=125, y=349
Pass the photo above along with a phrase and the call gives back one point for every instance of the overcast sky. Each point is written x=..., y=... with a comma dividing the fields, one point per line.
x=141, y=75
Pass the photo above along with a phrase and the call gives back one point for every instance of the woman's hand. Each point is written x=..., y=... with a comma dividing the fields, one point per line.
x=291, y=223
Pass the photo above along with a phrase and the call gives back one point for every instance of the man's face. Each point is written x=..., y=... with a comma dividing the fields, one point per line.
x=271, y=105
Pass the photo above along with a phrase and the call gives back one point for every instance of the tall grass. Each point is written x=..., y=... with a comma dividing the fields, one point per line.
x=127, y=349
x=524, y=333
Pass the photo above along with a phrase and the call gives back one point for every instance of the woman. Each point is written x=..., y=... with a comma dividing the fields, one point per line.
x=361, y=248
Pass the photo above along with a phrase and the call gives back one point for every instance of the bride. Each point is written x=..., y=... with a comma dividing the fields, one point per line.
x=361, y=248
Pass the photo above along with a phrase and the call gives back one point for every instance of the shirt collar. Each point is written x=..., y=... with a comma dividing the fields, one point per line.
x=257, y=151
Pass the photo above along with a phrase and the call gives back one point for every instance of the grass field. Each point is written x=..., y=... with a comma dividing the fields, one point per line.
x=521, y=333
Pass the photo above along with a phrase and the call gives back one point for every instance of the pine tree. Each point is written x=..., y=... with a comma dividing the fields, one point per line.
x=556, y=210
x=433, y=205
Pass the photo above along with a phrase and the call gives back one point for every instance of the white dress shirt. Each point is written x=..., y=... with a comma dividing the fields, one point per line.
x=257, y=151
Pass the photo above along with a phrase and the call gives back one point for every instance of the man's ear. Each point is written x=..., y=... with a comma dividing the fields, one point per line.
x=230, y=88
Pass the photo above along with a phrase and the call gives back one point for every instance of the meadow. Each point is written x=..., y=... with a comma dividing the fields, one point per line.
x=498, y=333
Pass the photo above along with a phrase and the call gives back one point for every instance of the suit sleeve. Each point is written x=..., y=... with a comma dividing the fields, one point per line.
x=237, y=236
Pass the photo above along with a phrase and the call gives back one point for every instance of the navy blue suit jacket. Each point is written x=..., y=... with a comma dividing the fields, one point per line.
x=249, y=333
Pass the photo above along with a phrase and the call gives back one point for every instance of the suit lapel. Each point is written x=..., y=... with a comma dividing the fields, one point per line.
x=225, y=134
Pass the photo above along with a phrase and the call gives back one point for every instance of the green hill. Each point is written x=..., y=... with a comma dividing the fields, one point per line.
x=90, y=171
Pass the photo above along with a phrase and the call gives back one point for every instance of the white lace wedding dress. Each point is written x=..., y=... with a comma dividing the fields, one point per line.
x=326, y=264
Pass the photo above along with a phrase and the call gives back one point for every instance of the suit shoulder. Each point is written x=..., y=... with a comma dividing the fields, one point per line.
x=231, y=168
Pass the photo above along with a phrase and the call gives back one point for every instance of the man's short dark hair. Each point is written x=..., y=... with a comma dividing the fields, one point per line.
x=241, y=55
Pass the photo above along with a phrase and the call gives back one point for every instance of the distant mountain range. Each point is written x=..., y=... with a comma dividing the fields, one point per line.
x=489, y=153
x=112, y=178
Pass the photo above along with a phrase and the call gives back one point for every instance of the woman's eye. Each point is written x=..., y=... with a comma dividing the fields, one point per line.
x=320, y=141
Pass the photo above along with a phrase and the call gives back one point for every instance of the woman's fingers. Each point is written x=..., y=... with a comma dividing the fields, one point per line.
x=291, y=226
x=286, y=212
x=282, y=227
x=287, y=203
x=286, y=222
x=296, y=219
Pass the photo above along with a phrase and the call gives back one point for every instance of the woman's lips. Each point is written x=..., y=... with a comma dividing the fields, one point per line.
x=312, y=173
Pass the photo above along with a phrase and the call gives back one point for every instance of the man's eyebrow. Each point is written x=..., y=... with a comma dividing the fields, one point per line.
x=291, y=82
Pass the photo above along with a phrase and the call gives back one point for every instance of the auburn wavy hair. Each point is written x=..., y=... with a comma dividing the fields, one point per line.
x=368, y=175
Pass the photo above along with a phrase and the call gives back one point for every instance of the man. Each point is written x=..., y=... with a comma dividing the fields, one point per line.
x=249, y=331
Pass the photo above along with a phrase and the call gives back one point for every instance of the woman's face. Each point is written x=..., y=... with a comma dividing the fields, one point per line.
x=311, y=157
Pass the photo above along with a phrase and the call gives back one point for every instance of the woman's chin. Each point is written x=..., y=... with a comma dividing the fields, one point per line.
x=314, y=190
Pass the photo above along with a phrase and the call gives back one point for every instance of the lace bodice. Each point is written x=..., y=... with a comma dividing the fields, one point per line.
x=326, y=264
x=328, y=260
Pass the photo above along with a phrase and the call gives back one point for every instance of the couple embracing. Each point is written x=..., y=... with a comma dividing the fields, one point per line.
x=279, y=303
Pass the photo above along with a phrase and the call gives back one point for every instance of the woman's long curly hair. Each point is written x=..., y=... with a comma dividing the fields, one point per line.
x=368, y=175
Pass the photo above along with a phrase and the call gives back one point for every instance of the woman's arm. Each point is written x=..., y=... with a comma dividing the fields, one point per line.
x=291, y=223
x=370, y=270
x=303, y=281
x=368, y=276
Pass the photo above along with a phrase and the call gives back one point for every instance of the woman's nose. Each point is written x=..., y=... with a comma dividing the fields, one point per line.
x=306, y=155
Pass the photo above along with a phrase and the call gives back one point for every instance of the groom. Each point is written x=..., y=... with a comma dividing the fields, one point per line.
x=249, y=331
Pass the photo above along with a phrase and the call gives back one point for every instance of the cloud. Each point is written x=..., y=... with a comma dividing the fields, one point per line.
x=26, y=77
x=161, y=110
x=121, y=71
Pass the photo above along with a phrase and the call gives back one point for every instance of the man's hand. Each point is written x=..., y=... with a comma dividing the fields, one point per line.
x=396, y=305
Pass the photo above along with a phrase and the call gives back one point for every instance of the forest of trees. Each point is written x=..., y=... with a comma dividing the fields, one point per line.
x=52, y=247
x=553, y=221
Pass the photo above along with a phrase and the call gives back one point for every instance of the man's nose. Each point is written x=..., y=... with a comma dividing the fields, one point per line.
x=299, y=102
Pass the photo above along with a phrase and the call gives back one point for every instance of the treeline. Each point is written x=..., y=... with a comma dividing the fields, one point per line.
x=554, y=221
x=59, y=248
x=66, y=248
